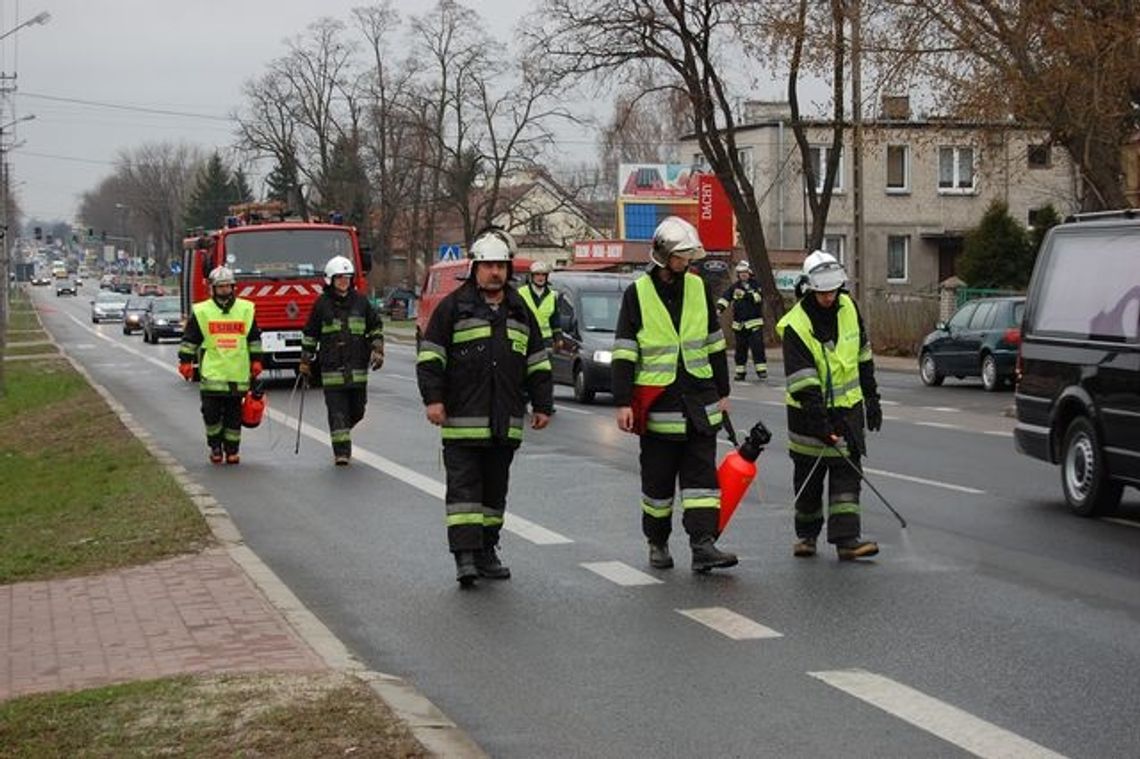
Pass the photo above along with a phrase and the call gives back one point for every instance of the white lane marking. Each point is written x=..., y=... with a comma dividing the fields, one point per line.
x=998, y=433
x=730, y=624
x=939, y=425
x=535, y=533
x=722, y=441
x=889, y=403
x=525, y=529
x=396, y=376
x=949, y=723
x=889, y=418
x=620, y=573
x=924, y=481
x=772, y=403
x=1118, y=520
x=948, y=409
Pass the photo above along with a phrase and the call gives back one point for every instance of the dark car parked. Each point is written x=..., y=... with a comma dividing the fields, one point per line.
x=163, y=318
x=1078, y=398
x=588, y=307
x=980, y=340
x=133, y=314
x=66, y=287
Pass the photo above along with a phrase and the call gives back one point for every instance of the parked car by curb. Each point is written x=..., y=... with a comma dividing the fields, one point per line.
x=979, y=340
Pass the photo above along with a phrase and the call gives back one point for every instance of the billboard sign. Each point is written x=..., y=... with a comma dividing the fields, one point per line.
x=715, y=221
x=598, y=250
x=656, y=180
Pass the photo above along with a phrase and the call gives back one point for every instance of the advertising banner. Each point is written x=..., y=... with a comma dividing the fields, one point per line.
x=715, y=220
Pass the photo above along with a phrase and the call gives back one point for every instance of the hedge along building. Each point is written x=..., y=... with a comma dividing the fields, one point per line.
x=926, y=182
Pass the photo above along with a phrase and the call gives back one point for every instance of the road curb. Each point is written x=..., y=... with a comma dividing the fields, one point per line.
x=430, y=726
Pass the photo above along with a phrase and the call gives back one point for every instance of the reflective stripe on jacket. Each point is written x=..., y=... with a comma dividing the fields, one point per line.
x=342, y=333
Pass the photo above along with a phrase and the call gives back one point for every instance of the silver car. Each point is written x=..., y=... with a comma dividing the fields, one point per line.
x=108, y=307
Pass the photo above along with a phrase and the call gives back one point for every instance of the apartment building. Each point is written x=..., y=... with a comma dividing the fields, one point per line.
x=926, y=182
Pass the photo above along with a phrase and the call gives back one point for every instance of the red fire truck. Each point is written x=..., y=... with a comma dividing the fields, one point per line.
x=279, y=264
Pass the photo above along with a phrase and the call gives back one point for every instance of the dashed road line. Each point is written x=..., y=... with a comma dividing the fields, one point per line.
x=939, y=425
x=574, y=410
x=949, y=723
x=998, y=433
x=1118, y=520
x=620, y=573
x=730, y=624
x=947, y=409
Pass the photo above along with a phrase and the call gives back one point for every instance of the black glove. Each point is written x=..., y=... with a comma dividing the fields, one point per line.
x=874, y=414
x=819, y=423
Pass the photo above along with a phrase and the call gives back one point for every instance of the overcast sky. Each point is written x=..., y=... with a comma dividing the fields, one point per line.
x=190, y=56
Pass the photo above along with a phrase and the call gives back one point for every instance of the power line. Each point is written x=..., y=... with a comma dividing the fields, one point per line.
x=65, y=158
x=119, y=107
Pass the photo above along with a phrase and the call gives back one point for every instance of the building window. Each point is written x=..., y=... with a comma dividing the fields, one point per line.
x=744, y=155
x=898, y=249
x=833, y=244
x=955, y=170
x=1040, y=157
x=818, y=156
x=699, y=162
x=898, y=168
x=536, y=225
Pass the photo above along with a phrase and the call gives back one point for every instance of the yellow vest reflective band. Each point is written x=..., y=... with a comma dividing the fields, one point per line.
x=542, y=311
x=225, y=344
x=836, y=370
x=658, y=341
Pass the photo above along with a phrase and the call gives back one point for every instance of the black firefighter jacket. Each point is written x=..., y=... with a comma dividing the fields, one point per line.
x=342, y=332
x=481, y=363
x=687, y=393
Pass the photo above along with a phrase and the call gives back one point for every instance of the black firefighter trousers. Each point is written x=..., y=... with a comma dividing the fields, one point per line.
x=476, y=495
x=345, y=406
x=750, y=340
x=842, y=496
x=222, y=417
x=692, y=462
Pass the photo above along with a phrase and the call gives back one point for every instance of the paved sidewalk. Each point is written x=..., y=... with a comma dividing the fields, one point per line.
x=193, y=614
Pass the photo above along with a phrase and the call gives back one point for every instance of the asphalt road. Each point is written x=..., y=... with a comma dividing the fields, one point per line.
x=997, y=624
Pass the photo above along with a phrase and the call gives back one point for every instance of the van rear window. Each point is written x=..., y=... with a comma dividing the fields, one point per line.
x=1090, y=286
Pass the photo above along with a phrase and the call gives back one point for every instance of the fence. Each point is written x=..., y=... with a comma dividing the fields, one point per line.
x=966, y=294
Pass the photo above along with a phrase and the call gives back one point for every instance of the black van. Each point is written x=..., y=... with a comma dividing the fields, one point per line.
x=1078, y=397
x=588, y=307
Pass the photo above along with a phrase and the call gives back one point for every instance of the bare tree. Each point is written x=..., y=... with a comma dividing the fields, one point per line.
x=1069, y=67
x=646, y=125
x=679, y=40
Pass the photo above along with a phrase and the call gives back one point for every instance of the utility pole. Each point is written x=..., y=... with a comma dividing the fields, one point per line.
x=857, y=253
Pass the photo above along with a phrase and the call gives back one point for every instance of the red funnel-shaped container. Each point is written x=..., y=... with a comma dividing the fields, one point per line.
x=734, y=476
x=252, y=408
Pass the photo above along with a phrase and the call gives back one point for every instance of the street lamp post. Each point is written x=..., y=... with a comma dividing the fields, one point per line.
x=40, y=18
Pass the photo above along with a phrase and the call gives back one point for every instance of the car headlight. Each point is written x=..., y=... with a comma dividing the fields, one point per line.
x=603, y=357
x=160, y=322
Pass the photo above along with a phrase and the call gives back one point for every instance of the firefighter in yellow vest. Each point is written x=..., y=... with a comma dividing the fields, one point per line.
x=671, y=386
x=831, y=390
x=542, y=300
x=224, y=330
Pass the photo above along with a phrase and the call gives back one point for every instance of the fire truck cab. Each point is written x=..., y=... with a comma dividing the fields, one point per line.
x=279, y=265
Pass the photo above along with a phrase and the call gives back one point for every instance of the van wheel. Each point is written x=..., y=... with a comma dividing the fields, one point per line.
x=928, y=371
x=1084, y=478
x=582, y=394
x=990, y=379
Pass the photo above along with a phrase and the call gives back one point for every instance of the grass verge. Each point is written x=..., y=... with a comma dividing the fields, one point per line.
x=30, y=350
x=232, y=715
x=81, y=494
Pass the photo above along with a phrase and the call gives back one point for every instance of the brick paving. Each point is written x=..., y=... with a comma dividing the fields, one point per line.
x=190, y=614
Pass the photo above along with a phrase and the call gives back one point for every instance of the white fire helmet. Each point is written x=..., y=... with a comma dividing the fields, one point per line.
x=336, y=266
x=493, y=245
x=540, y=267
x=744, y=268
x=823, y=272
x=222, y=276
x=675, y=237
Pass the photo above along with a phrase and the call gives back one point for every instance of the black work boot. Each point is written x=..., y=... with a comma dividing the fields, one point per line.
x=804, y=547
x=215, y=454
x=488, y=565
x=659, y=557
x=706, y=556
x=465, y=570
x=856, y=548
